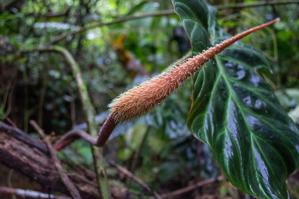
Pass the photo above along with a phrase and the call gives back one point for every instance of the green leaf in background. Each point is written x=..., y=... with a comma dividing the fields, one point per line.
x=235, y=111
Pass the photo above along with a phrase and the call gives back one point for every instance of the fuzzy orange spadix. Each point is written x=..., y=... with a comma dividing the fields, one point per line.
x=142, y=98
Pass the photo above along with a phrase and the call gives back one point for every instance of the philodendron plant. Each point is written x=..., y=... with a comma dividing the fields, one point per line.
x=233, y=109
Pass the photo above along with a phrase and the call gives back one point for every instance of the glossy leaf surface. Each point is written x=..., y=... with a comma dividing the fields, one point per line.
x=235, y=111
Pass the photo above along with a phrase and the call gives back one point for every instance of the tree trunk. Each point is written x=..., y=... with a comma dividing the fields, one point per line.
x=30, y=157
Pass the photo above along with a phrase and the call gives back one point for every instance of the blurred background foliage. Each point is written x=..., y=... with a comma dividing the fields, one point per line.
x=158, y=148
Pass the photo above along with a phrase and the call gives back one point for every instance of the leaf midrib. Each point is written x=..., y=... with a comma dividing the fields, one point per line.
x=235, y=98
x=232, y=94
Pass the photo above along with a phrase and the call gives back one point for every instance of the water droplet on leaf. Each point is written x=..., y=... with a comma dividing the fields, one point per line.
x=259, y=104
x=248, y=101
x=241, y=74
x=255, y=79
x=235, y=70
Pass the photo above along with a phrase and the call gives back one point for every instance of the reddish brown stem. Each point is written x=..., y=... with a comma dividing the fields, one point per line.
x=75, y=134
x=106, y=130
x=72, y=136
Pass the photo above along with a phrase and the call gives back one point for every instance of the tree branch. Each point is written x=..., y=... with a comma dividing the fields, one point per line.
x=65, y=179
x=30, y=157
x=191, y=187
x=166, y=13
x=254, y=5
x=116, y=21
x=23, y=193
x=18, y=134
x=130, y=175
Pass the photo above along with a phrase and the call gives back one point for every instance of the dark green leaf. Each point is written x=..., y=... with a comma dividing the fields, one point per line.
x=236, y=113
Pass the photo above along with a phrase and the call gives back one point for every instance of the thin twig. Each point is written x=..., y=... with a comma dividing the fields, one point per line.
x=9, y=183
x=10, y=122
x=191, y=187
x=166, y=13
x=130, y=175
x=254, y=5
x=66, y=180
x=116, y=21
x=29, y=193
